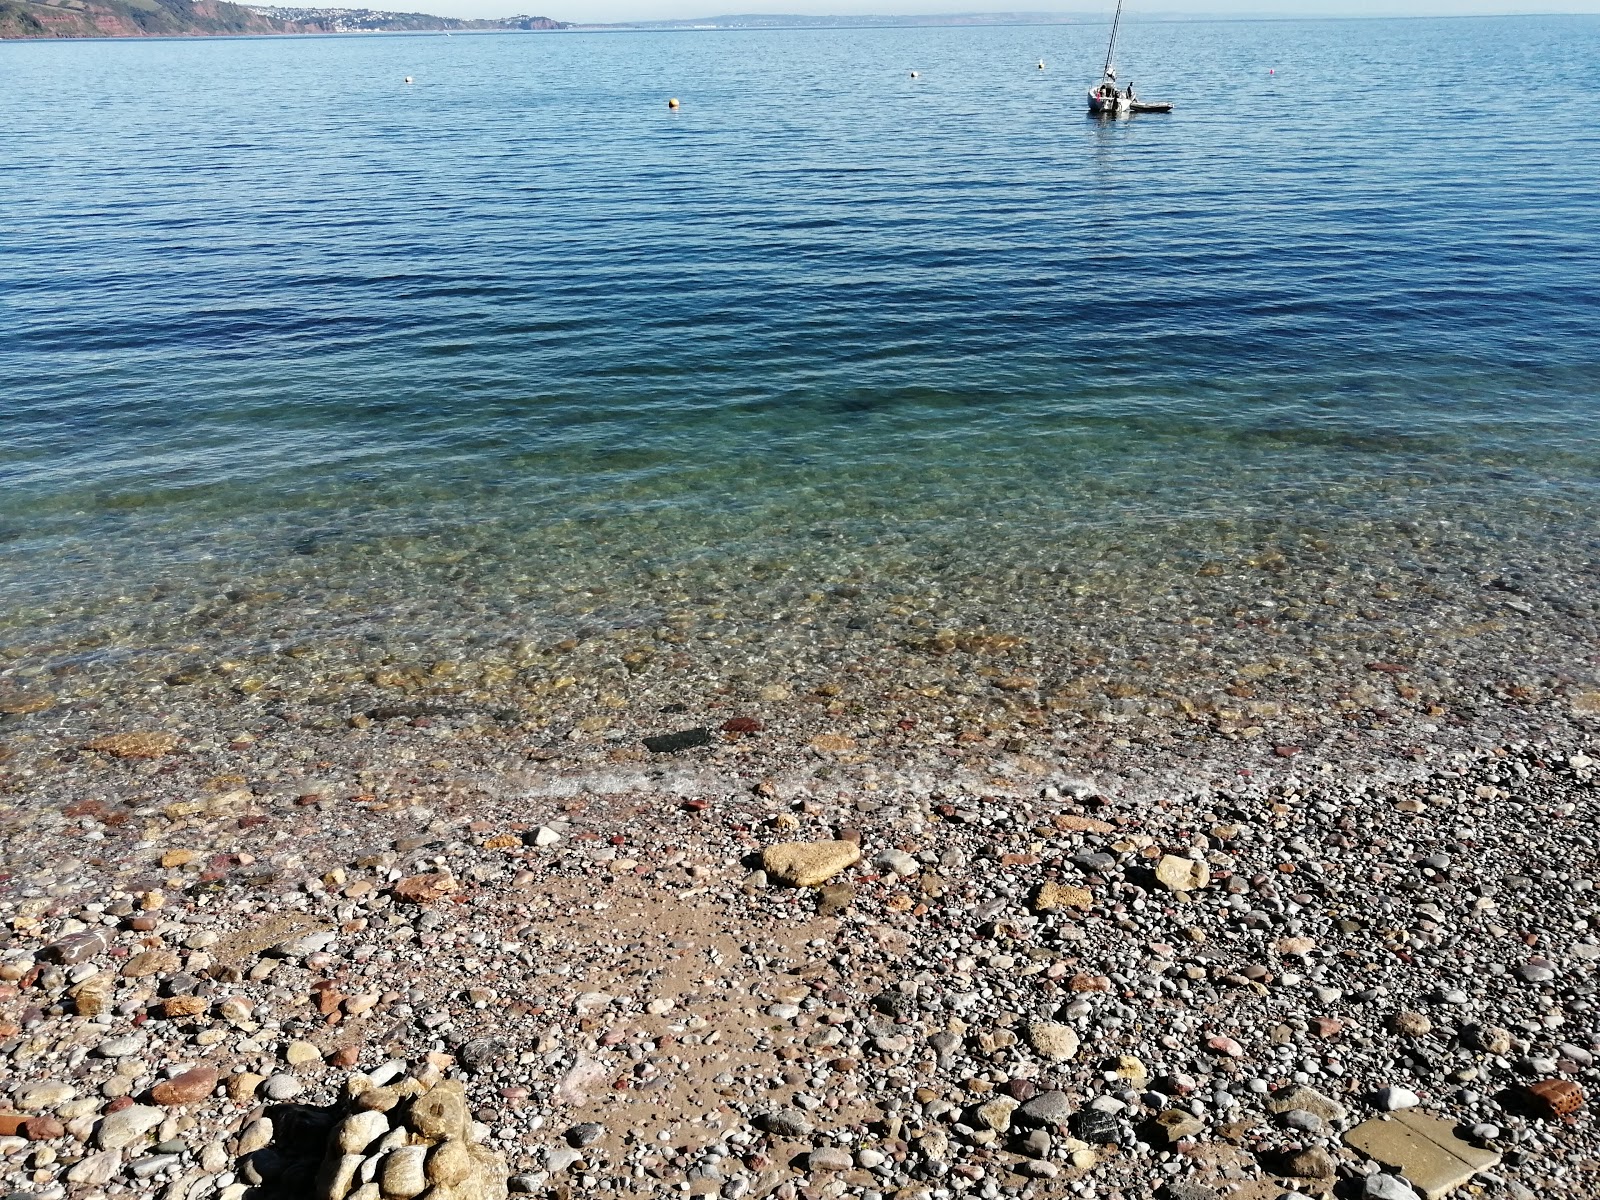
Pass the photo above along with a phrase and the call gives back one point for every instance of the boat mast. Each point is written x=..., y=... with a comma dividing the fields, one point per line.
x=1112, y=48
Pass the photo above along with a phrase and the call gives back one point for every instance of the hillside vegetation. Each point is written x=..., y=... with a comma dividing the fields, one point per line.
x=132, y=18
x=210, y=18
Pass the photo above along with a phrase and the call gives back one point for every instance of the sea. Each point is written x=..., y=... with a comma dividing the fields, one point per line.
x=326, y=356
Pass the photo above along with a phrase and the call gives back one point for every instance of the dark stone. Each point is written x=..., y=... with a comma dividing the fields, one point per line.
x=181, y=984
x=481, y=1053
x=671, y=743
x=587, y=1134
x=783, y=1122
x=391, y=712
x=896, y=1004
x=1047, y=1108
x=78, y=947
x=1097, y=1128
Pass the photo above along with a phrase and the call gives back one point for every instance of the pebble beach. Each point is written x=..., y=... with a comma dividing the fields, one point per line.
x=825, y=937
x=858, y=637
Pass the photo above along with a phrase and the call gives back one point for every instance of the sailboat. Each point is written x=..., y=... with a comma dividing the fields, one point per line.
x=1106, y=99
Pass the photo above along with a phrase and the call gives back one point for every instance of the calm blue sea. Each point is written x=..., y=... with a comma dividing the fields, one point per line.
x=515, y=347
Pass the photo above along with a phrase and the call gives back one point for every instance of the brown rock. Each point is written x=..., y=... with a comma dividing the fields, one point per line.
x=1076, y=824
x=425, y=889
x=242, y=1087
x=151, y=962
x=11, y=1124
x=43, y=1129
x=1052, y=897
x=449, y=1164
x=1174, y=1125
x=18, y=704
x=135, y=745
x=401, y=1173
x=1182, y=874
x=832, y=743
x=178, y=1007
x=1552, y=1098
x=1490, y=1039
x=94, y=995
x=1410, y=1024
x=189, y=1088
x=1311, y=1163
x=378, y=1099
x=807, y=864
x=442, y=1113
x=1053, y=1041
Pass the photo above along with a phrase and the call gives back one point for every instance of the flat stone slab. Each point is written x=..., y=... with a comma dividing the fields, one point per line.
x=1424, y=1149
x=806, y=864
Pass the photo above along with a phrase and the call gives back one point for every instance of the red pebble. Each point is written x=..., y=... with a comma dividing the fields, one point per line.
x=1225, y=1046
x=188, y=1088
x=43, y=1129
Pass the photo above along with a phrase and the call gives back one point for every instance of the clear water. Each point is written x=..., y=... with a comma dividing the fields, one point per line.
x=514, y=352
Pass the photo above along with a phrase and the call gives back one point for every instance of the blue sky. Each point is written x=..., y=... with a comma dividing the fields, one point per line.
x=630, y=10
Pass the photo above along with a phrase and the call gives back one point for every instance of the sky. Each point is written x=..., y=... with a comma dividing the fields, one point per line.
x=598, y=11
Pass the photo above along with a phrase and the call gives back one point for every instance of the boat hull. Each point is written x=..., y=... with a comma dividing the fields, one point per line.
x=1108, y=106
x=1121, y=106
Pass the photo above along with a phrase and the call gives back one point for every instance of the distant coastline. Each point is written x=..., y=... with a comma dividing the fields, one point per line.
x=32, y=19
x=46, y=19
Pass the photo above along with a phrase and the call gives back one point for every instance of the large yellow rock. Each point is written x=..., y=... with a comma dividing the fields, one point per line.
x=136, y=745
x=441, y=1115
x=806, y=864
x=1182, y=874
x=1053, y=897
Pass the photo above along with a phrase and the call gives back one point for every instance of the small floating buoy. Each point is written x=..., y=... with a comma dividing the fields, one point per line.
x=913, y=75
x=1041, y=64
x=673, y=103
x=408, y=79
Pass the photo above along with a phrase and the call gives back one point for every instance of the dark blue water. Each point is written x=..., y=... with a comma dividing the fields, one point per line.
x=271, y=318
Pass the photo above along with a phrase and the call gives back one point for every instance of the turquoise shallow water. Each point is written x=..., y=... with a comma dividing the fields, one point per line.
x=515, y=349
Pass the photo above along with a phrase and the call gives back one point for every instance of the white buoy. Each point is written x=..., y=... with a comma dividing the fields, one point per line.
x=1041, y=64
x=913, y=75
x=673, y=103
x=408, y=79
